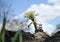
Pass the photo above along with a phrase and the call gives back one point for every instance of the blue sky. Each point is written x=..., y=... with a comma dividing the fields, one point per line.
x=50, y=6
x=19, y=6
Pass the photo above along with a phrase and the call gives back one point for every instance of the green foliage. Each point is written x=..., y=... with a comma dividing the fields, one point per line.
x=18, y=33
x=20, y=36
x=3, y=29
x=31, y=15
x=4, y=11
x=0, y=37
x=14, y=38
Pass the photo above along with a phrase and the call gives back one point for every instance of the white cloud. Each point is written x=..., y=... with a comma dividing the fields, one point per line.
x=15, y=17
x=56, y=2
x=46, y=12
x=31, y=29
x=48, y=28
x=15, y=27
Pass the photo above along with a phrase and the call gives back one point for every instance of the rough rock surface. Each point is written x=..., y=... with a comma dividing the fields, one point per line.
x=54, y=38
